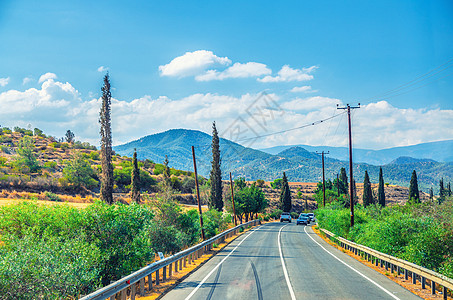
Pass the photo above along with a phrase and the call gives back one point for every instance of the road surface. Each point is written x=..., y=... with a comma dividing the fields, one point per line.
x=285, y=261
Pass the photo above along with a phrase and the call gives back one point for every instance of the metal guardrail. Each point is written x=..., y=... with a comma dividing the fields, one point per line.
x=396, y=264
x=181, y=258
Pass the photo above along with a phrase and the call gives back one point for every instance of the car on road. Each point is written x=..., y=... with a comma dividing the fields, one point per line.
x=305, y=215
x=311, y=216
x=286, y=216
x=303, y=219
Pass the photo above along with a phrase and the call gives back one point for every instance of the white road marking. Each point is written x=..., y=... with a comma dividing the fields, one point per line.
x=285, y=272
x=358, y=272
x=215, y=268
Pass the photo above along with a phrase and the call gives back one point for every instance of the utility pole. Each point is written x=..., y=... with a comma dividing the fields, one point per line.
x=198, y=193
x=351, y=180
x=232, y=199
x=323, y=178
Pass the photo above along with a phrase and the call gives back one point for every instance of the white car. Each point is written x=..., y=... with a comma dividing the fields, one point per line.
x=286, y=216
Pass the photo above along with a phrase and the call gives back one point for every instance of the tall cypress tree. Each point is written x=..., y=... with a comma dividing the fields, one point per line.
x=441, y=191
x=449, y=189
x=343, y=182
x=381, y=192
x=367, y=193
x=414, y=194
x=215, y=199
x=106, y=143
x=285, y=195
x=431, y=194
x=166, y=173
x=135, y=178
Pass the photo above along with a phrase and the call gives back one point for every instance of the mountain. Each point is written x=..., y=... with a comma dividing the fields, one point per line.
x=299, y=163
x=441, y=151
x=177, y=145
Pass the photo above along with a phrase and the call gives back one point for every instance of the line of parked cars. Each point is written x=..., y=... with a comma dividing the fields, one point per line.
x=304, y=218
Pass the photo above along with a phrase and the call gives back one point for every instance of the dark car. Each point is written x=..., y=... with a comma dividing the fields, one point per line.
x=302, y=220
x=311, y=216
x=286, y=216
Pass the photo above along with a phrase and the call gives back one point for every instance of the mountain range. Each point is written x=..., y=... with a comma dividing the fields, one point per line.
x=299, y=162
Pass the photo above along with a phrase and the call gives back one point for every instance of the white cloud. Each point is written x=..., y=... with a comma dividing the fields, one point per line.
x=287, y=73
x=27, y=80
x=47, y=76
x=302, y=89
x=4, y=81
x=102, y=69
x=238, y=70
x=192, y=63
x=56, y=107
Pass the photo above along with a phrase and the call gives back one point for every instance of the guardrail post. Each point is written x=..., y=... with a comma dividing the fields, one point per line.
x=170, y=270
x=423, y=282
x=157, y=277
x=133, y=291
x=433, y=287
x=386, y=266
x=414, y=278
x=184, y=262
x=142, y=287
x=150, y=282
x=164, y=274
x=406, y=274
x=124, y=294
x=180, y=263
x=376, y=261
x=392, y=268
x=444, y=290
x=398, y=270
x=112, y=297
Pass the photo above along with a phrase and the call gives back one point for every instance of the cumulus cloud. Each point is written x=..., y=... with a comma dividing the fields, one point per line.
x=4, y=81
x=303, y=89
x=47, y=76
x=102, y=69
x=27, y=80
x=287, y=73
x=192, y=63
x=56, y=107
x=238, y=70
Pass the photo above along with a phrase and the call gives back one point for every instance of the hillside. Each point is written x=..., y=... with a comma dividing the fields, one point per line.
x=441, y=151
x=299, y=163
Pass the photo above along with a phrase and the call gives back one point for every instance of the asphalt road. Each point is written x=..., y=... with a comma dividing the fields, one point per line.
x=285, y=261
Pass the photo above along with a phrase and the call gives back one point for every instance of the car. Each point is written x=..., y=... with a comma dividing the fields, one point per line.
x=306, y=216
x=286, y=216
x=311, y=216
x=302, y=220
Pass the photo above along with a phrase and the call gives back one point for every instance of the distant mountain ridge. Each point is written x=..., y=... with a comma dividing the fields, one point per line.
x=441, y=151
x=299, y=163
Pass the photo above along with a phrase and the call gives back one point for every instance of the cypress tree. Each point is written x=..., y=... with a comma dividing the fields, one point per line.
x=414, y=194
x=449, y=189
x=367, y=193
x=166, y=173
x=135, y=178
x=441, y=191
x=381, y=192
x=215, y=199
x=285, y=195
x=106, y=143
x=431, y=194
x=343, y=182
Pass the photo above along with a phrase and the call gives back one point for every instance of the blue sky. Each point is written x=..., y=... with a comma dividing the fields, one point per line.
x=335, y=52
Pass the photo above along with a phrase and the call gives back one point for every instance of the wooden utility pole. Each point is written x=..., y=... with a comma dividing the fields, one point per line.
x=198, y=193
x=323, y=178
x=351, y=179
x=232, y=200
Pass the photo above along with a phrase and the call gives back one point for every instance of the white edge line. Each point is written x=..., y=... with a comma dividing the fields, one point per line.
x=215, y=268
x=358, y=272
x=285, y=272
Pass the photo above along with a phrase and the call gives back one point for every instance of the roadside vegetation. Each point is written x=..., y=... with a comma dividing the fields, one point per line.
x=419, y=232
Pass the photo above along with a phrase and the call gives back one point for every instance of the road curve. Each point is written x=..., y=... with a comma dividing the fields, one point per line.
x=254, y=266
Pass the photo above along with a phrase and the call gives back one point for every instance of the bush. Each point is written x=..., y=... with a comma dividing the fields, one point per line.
x=50, y=164
x=277, y=183
x=294, y=215
x=158, y=169
x=94, y=155
x=53, y=197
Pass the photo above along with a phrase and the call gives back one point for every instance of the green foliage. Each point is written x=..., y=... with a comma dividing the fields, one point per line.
x=158, y=169
x=367, y=193
x=26, y=157
x=215, y=198
x=215, y=222
x=50, y=165
x=94, y=155
x=3, y=161
x=414, y=194
x=249, y=200
x=260, y=183
x=135, y=178
x=420, y=233
x=276, y=214
x=38, y=132
x=277, y=183
x=23, y=131
x=381, y=192
x=285, y=195
x=240, y=183
x=79, y=172
x=6, y=130
x=53, y=197
x=343, y=183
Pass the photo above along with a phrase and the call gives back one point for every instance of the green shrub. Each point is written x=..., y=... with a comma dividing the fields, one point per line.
x=50, y=164
x=94, y=155
x=53, y=197
x=158, y=169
